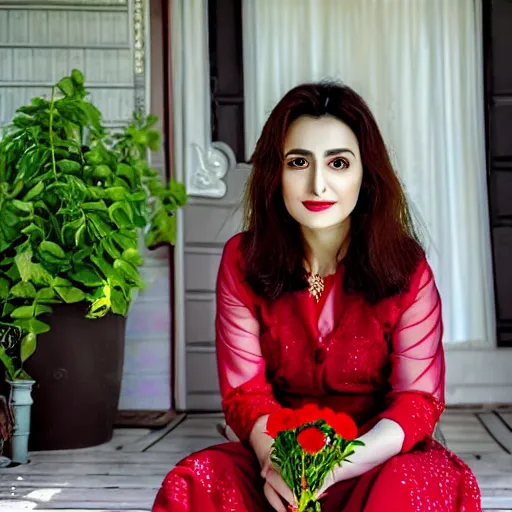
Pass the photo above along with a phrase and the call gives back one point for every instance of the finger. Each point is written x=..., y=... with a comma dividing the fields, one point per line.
x=273, y=498
x=265, y=469
x=280, y=486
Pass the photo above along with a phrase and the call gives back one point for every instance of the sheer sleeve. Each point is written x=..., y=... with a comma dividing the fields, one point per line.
x=416, y=400
x=246, y=394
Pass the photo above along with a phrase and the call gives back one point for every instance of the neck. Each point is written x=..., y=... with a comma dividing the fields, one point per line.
x=325, y=248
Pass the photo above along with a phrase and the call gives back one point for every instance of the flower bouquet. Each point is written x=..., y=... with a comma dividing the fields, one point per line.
x=308, y=444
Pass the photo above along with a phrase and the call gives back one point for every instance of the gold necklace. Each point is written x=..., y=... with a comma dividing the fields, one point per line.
x=316, y=286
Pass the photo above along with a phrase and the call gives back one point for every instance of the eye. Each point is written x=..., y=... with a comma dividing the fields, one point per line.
x=339, y=163
x=298, y=163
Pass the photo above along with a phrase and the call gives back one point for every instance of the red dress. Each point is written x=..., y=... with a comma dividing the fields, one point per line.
x=373, y=362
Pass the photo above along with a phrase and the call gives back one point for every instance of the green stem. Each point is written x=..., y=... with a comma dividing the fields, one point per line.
x=52, y=147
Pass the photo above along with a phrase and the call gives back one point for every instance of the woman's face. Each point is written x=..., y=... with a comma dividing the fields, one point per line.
x=322, y=172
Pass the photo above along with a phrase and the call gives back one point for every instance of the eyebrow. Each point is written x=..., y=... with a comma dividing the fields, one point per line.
x=329, y=152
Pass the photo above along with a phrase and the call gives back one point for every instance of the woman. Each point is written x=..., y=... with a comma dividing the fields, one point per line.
x=327, y=298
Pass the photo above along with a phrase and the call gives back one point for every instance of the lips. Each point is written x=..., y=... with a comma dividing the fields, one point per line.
x=318, y=206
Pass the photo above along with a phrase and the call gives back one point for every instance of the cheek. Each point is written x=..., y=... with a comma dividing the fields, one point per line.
x=348, y=188
x=292, y=186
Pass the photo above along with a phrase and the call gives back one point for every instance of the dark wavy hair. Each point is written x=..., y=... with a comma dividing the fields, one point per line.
x=384, y=249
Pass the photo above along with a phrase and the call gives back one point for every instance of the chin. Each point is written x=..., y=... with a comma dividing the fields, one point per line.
x=316, y=224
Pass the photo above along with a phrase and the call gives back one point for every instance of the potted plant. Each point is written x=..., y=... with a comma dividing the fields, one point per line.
x=74, y=199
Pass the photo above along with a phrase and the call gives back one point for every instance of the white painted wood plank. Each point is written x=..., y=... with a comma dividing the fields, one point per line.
x=98, y=457
x=498, y=429
x=507, y=418
x=187, y=445
x=153, y=437
x=82, y=481
x=58, y=469
x=76, y=498
x=489, y=463
x=497, y=498
x=459, y=418
x=478, y=447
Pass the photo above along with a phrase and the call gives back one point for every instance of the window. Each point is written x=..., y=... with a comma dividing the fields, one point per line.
x=226, y=74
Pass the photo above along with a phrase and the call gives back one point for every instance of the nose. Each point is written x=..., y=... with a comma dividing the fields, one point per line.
x=319, y=184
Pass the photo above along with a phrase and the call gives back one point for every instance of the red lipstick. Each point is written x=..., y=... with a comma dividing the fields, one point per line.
x=318, y=206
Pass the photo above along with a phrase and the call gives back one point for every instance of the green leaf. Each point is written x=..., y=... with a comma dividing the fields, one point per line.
x=95, y=206
x=118, y=303
x=13, y=273
x=45, y=294
x=133, y=256
x=33, y=325
x=96, y=192
x=8, y=363
x=121, y=214
x=69, y=166
x=94, y=158
x=34, y=232
x=102, y=227
x=128, y=272
x=87, y=276
x=23, y=312
x=99, y=308
x=80, y=235
x=53, y=248
x=23, y=290
x=71, y=294
x=108, y=271
x=178, y=191
x=66, y=86
x=4, y=288
x=8, y=309
x=69, y=229
x=30, y=271
x=102, y=171
x=28, y=346
x=124, y=240
x=83, y=253
x=23, y=206
x=8, y=217
x=34, y=191
x=117, y=193
x=60, y=281
x=77, y=77
x=137, y=197
x=18, y=187
x=125, y=171
x=110, y=248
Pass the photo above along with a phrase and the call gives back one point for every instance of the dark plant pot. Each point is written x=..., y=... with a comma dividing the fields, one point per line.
x=77, y=367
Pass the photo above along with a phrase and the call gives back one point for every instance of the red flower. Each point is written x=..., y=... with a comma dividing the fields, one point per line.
x=311, y=439
x=344, y=426
x=328, y=415
x=283, y=419
x=308, y=414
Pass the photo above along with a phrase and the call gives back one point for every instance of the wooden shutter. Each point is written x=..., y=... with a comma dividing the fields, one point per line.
x=498, y=90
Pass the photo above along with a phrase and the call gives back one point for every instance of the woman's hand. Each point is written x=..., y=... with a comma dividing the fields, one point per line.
x=276, y=490
x=382, y=442
x=275, y=487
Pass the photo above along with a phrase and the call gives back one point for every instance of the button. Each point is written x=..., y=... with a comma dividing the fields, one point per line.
x=319, y=356
x=320, y=339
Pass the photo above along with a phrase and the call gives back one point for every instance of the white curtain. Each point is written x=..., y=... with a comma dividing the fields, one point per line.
x=418, y=63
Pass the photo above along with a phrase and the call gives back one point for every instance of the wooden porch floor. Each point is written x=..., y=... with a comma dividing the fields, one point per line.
x=126, y=473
